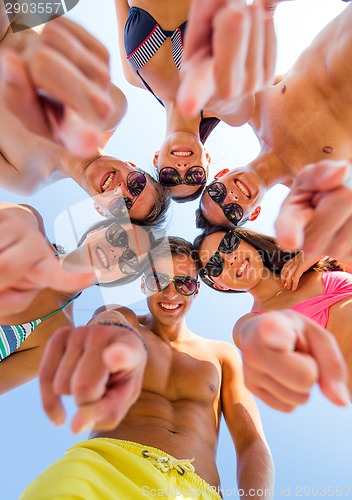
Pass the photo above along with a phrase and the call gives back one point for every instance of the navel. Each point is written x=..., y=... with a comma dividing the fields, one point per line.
x=328, y=149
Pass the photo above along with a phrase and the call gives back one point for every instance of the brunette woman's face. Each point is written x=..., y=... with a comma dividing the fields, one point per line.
x=182, y=151
x=111, y=262
x=242, y=269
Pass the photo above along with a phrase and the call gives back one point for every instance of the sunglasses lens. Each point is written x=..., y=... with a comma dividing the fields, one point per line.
x=217, y=192
x=169, y=176
x=229, y=243
x=120, y=206
x=185, y=285
x=128, y=262
x=233, y=212
x=215, y=266
x=116, y=235
x=156, y=282
x=136, y=182
x=195, y=176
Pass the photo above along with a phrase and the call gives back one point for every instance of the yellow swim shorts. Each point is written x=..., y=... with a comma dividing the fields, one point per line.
x=112, y=469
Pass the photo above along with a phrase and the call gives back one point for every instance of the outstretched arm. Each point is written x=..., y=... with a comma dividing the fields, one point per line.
x=21, y=229
x=255, y=468
x=101, y=365
x=230, y=54
x=317, y=214
x=285, y=354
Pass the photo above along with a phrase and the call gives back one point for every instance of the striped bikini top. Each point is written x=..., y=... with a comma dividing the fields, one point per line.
x=143, y=38
x=12, y=336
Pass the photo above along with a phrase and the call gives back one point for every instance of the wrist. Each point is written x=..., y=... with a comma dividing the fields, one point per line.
x=129, y=328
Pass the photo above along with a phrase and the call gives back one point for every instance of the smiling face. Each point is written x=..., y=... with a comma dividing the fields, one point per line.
x=106, y=179
x=243, y=268
x=243, y=187
x=182, y=151
x=168, y=306
x=113, y=252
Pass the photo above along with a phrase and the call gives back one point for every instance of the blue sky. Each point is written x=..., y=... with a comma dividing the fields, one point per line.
x=312, y=446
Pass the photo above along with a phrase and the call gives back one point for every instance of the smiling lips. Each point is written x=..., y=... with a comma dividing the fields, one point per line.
x=181, y=154
x=242, y=269
x=244, y=190
x=102, y=257
x=106, y=181
x=167, y=306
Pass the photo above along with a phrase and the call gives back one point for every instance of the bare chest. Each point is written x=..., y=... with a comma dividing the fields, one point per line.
x=186, y=375
x=304, y=125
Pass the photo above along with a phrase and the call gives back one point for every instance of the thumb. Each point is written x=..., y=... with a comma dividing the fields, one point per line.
x=295, y=213
x=197, y=84
x=80, y=138
x=50, y=274
x=322, y=176
x=120, y=357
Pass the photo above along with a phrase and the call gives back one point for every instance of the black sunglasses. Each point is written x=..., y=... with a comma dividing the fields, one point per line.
x=215, y=265
x=232, y=211
x=184, y=285
x=194, y=176
x=136, y=182
x=116, y=236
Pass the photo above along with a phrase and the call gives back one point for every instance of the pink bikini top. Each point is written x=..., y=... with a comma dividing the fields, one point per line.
x=337, y=287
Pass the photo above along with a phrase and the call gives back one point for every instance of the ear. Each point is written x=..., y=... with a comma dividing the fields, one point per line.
x=197, y=291
x=100, y=210
x=143, y=289
x=133, y=165
x=156, y=158
x=255, y=213
x=207, y=155
x=221, y=173
x=219, y=287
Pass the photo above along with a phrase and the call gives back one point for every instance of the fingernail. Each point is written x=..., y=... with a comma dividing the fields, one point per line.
x=347, y=182
x=341, y=392
x=86, y=427
x=58, y=421
x=7, y=69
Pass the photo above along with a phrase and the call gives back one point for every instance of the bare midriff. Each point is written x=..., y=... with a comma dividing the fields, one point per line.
x=184, y=429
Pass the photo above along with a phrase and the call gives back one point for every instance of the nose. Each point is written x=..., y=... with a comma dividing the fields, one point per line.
x=230, y=258
x=231, y=197
x=170, y=292
x=182, y=164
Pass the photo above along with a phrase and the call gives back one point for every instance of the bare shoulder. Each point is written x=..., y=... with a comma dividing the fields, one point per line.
x=239, y=324
x=117, y=310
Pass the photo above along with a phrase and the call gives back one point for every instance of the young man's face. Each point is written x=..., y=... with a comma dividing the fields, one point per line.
x=179, y=153
x=169, y=306
x=237, y=191
x=107, y=178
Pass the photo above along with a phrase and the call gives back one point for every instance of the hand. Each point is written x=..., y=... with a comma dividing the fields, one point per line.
x=230, y=52
x=285, y=354
x=316, y=217
x=71, y=69
x=27, y=264
x=292, y=270
x=101, y=366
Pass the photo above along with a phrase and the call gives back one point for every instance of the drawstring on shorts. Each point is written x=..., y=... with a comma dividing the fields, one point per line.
x=168, y=463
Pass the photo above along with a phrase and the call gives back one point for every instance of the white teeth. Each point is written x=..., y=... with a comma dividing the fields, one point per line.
x=107, y=182
x=182, y=153
x=243, y=189
x=242, y=269
x=103, y=257
x=169, y=306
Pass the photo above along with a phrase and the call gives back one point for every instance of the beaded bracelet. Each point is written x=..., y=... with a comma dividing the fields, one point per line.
x=114, y=323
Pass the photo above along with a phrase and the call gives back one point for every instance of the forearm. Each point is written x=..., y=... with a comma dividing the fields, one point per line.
x=255, y=471
x=120, y=109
